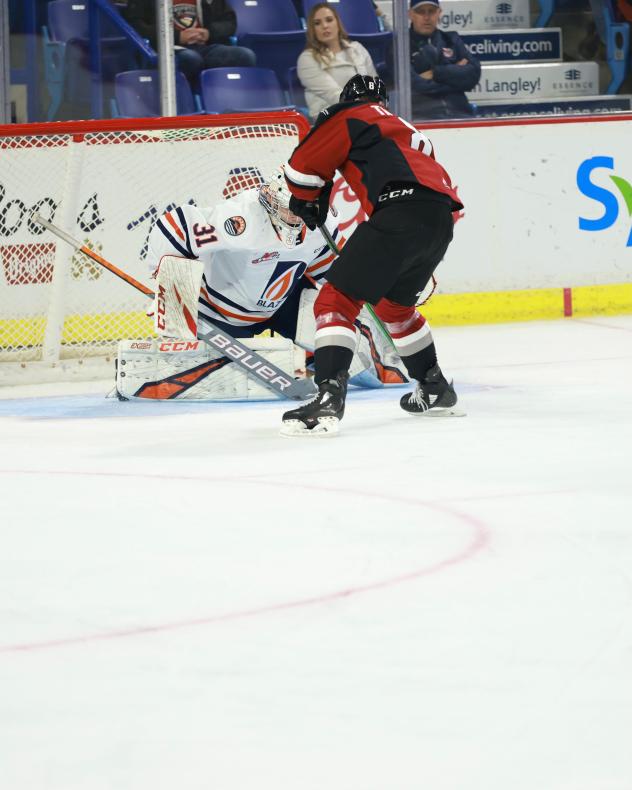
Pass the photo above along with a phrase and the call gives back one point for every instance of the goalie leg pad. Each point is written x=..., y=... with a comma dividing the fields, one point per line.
x=191, y=370
x=375, y=363
x=178, y=283
x=305, y=321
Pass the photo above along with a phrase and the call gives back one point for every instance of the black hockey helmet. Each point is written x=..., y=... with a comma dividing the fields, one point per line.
x=363, y=87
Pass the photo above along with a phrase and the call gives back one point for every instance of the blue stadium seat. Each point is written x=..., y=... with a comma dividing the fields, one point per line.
x=241, y=90
x=67, y=56
x=137, y=94
x=273, y=30
x=363, y=25
x=296, y=92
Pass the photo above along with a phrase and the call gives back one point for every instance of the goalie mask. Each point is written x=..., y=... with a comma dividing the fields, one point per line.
x=275, y=196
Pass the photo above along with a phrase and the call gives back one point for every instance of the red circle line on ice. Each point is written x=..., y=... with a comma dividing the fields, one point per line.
x=477, y=540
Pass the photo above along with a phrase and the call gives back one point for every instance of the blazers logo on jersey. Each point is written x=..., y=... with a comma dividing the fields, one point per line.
x=235, y=226
x=280, y=284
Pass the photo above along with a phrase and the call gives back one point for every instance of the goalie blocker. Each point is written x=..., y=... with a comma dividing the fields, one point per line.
x=188, y=369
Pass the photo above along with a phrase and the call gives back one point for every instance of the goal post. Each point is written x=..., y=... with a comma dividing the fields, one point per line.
x=106, y=183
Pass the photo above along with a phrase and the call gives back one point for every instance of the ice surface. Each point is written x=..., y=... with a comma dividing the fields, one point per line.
x=189, y=601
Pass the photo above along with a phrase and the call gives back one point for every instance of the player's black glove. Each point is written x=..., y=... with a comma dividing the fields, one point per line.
x=425, y=58
x=307, y=210
x=312, y=212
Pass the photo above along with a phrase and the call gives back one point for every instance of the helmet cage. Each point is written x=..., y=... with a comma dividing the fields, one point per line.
x=274, y=196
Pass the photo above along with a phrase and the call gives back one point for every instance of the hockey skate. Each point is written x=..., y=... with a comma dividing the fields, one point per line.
x=433, y=396
x=321, y=416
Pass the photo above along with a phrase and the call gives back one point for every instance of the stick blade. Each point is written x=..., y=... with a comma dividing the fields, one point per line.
x=302, y=389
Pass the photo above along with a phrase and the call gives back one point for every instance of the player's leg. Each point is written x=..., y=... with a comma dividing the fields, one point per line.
x=375, y=362
x=222, y=55
x=368, y=266
x=413, y=339
x=334, y=346
x=393, y=251
x=408, y=328
x=190, y=62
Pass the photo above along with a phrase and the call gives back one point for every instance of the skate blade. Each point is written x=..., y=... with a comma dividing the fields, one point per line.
x=450, y=411
x=326, y=428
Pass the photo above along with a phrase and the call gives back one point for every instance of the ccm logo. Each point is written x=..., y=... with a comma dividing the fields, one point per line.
x=267, y=373
x=180, y=345
x=160, y=307
x=395, y=193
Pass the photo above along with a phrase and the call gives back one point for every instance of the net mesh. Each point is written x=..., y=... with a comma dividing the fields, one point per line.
x=106, y=188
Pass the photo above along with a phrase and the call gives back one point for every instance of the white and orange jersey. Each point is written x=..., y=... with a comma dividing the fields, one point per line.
x=248, y=271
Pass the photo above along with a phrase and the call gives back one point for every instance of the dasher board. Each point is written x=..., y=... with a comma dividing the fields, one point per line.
x=536, y=81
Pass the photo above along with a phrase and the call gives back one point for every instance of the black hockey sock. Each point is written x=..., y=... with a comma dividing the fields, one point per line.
x=419, y=363
x=329, y=361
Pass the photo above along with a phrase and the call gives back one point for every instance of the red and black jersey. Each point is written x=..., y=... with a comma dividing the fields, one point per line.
x=371, y=147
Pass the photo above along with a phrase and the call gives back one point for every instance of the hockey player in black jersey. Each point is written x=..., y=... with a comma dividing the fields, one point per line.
x=389, y=259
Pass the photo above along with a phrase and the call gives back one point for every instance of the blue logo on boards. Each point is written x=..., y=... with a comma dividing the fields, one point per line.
x=609, y=200
x=572, y=74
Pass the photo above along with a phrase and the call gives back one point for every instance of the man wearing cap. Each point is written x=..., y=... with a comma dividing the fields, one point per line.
x=442, y=69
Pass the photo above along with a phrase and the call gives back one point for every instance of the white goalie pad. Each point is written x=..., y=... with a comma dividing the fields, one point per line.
x=178, y=282
x=375, y=362
x=191, y=370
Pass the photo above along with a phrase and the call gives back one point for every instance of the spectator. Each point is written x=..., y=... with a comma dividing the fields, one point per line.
x=382, y=18
x=442, y=69
x=202, y=32
x=330, y=59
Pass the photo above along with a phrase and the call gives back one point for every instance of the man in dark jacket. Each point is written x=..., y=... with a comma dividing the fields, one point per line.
x=202, y=31
x=442, y=69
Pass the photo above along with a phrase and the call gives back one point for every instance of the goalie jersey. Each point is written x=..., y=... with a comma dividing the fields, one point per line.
x=248, y=271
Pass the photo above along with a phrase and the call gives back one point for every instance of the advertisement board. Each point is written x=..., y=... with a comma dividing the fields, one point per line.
x=536, y=45
x=536, y=80
x=575, y=105
x=464, y=15
x=548, y=205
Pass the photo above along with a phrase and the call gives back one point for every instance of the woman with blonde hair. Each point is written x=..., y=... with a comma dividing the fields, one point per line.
x=330, y=59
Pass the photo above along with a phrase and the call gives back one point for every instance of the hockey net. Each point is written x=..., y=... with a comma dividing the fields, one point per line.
x=106, y=184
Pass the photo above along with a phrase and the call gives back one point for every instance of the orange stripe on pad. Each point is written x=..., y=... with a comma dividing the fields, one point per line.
x=171, y=388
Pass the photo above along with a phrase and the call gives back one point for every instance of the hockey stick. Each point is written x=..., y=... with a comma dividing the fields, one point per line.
x=334, y=248
x=252, y=363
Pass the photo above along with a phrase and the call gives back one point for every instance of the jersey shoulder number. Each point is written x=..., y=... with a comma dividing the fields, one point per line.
x=418, y=140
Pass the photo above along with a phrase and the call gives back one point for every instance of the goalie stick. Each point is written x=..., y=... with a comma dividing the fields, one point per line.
x=252, y=363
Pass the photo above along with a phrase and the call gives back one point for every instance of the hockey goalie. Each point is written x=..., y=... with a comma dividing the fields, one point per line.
x=248, y=266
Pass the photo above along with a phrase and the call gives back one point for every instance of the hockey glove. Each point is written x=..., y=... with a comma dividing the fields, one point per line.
x=425, y=59
x=313, y=212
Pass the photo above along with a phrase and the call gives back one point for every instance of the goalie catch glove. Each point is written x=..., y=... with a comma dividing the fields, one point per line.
x=313, y=212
